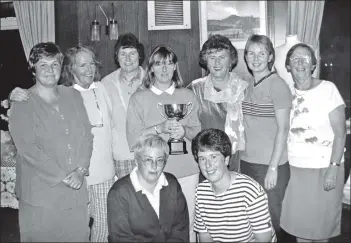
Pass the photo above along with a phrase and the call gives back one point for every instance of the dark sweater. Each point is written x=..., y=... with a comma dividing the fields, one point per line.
x=131, y=217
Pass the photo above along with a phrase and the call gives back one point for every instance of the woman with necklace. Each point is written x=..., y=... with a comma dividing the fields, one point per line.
x=266, y=109
x=52, y=134
x=220, y=93
x=164, y=85
x=312, y=204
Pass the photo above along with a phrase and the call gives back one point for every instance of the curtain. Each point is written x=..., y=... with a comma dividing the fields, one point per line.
x=36, y=22
x=305, y=20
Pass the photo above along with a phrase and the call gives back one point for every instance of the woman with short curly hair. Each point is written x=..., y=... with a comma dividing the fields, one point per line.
x=121, y=84
x=220, y=93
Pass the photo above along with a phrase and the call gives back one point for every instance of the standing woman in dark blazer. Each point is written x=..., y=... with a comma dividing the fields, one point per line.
x=52, y=134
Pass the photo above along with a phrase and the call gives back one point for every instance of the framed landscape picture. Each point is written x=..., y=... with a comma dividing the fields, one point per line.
x=236, y=20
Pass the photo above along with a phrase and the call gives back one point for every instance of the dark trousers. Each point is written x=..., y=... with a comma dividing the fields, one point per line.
x=276, y=195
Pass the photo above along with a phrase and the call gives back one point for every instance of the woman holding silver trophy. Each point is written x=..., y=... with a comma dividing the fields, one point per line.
x=166, y=108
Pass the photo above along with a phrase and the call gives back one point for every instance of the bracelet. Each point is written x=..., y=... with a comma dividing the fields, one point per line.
x=334, y=163
x=83, y=170
x=156, y=130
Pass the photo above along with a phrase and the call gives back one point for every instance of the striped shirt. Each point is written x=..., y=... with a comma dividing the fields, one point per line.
x=234, y=215
x=260, y=103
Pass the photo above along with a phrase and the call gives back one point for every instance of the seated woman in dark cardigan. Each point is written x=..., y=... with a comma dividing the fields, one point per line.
x=148, y=205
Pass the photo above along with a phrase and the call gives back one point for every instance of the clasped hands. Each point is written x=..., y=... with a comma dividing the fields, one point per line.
x=172, y=127
x=74, y=179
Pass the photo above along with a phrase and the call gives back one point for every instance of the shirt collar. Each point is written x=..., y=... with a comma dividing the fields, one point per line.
x=161, y=182
x=79, y=88
x=170, y=90
x=137, y=76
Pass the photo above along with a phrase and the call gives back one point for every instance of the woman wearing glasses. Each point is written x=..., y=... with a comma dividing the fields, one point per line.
x=266, y=109
x=81, y=73
x=164, y=85
x=313, y=201
x=148, y=204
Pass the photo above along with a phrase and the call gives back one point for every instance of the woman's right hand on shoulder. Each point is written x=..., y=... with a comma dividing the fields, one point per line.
x=19, y=94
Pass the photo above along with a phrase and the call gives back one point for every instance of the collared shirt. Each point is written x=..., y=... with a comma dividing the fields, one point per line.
x=136, y=78
x=127, y=88
x=154, y=198
x=79, y=88
x=118, y=93
x=170, y=90
x=96, y=102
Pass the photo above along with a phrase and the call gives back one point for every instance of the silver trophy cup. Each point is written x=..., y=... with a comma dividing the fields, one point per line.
x=177, y=111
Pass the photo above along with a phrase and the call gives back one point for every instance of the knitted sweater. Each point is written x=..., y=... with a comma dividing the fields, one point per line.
x=142, y=113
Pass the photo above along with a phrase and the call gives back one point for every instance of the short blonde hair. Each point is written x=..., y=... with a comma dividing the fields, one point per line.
x=67, y=78
x=150, y=141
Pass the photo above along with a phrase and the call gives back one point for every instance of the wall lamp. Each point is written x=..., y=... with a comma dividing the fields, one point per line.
x=111, y=28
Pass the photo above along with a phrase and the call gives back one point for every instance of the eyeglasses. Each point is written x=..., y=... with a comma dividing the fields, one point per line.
x=149, y=162
x=168, y=64
x=101, y=122
x=303, y=59
x=259, y=55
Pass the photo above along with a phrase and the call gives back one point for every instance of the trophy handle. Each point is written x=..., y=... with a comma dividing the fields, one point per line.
x=189, y=111
x=158, y=109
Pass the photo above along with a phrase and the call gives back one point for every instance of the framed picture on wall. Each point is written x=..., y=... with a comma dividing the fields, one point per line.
x=236, y=20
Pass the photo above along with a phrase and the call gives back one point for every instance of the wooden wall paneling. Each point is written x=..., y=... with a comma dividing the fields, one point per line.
x=131, y=17
x=66, y=24
x=143, y=33
x=185, y=43
x=104, y=47
x=194, y=44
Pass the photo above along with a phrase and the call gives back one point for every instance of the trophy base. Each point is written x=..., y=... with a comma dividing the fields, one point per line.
x=177, y=147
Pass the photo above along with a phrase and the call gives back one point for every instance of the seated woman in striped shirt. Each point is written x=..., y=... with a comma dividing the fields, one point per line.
x=230, y=207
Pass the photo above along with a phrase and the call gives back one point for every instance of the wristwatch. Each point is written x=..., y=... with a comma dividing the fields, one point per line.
x=83, y=170
x=334, y=163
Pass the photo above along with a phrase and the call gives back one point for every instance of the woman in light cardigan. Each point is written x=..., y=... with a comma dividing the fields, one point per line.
x=121, y=84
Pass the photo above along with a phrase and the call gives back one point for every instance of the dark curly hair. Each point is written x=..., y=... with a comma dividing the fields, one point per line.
x=211, y=140
x=129, y=40
x=217, y=43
